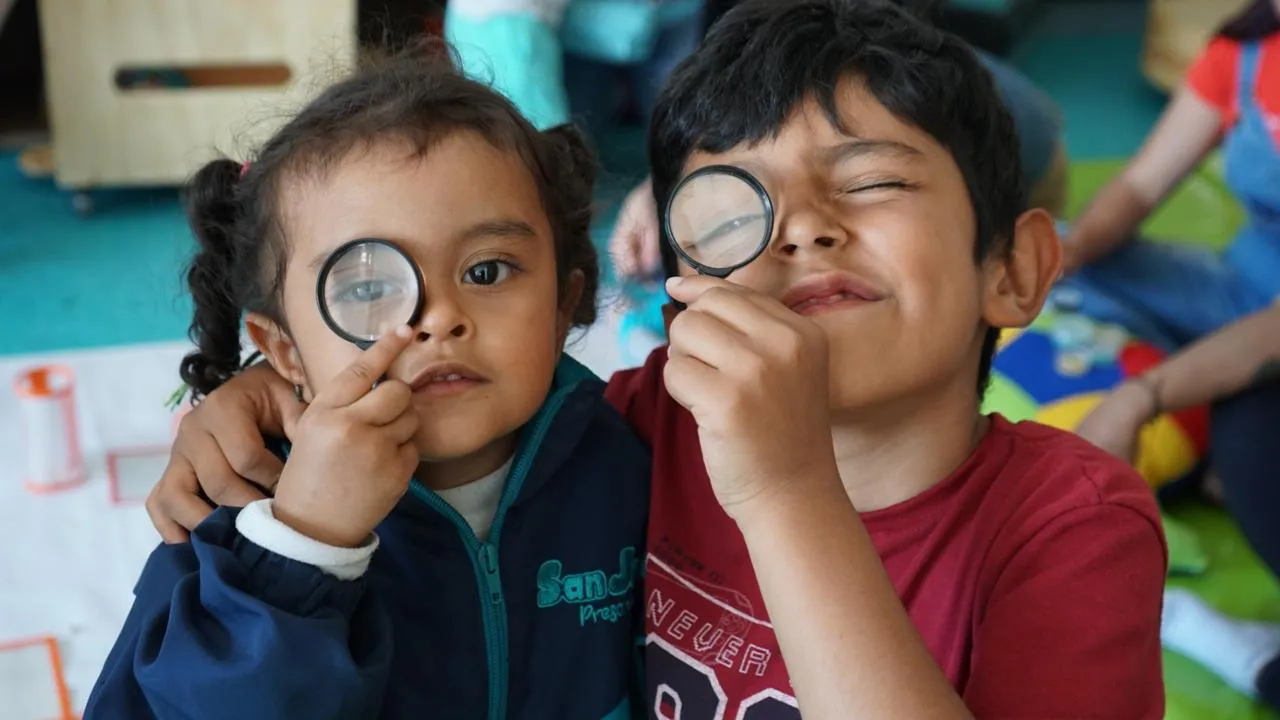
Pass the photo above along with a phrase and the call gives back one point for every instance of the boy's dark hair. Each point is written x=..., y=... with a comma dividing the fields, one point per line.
x=764, y=58
x=412, y=98
x=929, y=11
x=1256, y=21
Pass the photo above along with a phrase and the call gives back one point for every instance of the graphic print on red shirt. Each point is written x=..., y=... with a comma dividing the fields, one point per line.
x=704, y=639
x=1034, y=575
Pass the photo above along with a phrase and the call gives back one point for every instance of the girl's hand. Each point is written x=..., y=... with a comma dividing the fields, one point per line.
x=353, y=452
x=754, y=375
x=1115, y=423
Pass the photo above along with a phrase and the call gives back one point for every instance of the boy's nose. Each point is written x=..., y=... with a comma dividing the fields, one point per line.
x=822, y=242
x=809, y=229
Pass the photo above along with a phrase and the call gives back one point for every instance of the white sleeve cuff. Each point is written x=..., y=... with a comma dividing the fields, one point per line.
x=258, y=524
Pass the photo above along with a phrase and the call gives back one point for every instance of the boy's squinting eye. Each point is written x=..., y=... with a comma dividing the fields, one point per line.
x=489, y=272
x=862, y=187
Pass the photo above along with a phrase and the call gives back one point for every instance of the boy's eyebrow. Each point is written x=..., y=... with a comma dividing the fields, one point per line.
x=503, y=227
x=860, y=147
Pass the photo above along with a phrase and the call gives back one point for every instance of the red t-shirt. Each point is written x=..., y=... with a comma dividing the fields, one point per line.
x=1034, y=574
x=1215, y=77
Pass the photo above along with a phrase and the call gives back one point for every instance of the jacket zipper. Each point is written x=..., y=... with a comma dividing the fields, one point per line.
x=484, y=555
x=493, y=616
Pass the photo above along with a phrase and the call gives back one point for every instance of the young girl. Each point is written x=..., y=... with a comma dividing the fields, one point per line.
x=456, y=529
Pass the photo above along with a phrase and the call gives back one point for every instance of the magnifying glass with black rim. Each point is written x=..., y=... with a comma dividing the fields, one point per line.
x=367, y=288
x=718, y=219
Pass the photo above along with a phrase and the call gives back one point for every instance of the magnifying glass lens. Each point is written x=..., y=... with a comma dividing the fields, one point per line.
x=369, y=289
x=719, y=220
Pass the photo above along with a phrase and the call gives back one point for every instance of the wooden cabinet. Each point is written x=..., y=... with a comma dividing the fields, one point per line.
x=141, y=92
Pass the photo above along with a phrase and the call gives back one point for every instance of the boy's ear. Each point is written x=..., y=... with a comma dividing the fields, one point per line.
x=569, y=303
x=277, y=347
x=1018, y=283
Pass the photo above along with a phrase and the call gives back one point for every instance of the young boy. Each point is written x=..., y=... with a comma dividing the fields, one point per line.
x=825, y=490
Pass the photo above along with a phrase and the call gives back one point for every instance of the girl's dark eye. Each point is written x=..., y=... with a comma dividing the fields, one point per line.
x=489, y=272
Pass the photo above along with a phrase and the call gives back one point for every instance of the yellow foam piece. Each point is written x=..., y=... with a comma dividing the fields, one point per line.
x=1164, y=451
x=1066, y=414
x=1007, y=336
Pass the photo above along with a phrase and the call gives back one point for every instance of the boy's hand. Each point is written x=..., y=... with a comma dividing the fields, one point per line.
x=353, y=453
x=219, y=444
x=754, y=375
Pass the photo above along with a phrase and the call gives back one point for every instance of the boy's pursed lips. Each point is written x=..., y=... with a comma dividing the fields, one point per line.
x=829, y=290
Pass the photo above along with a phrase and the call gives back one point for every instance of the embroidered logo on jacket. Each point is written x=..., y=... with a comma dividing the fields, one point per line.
x=600, y=597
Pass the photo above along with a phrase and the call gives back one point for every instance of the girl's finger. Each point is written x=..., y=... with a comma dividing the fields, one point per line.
x=359, y=377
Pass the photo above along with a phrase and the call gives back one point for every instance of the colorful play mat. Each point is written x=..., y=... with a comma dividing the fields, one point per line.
x=1057, y=370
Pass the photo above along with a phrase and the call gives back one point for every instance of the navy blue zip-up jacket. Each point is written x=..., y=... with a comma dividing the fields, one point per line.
x=541, y=621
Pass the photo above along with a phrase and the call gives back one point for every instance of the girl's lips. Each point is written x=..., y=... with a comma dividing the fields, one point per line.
x=449, y=385
x=445, y=378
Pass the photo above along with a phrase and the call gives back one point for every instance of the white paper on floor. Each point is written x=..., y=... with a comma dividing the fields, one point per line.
x=132, y=472
x=29, y=682
x=73, y=557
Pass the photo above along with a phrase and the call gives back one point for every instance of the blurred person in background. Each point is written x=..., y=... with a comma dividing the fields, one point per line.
x=1216, y=310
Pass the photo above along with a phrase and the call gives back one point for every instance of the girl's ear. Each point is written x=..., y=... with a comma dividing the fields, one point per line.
x=277, y=347
x=569, y=304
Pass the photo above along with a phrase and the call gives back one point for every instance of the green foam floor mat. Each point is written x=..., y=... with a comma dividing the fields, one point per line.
x=1236, y=583
x=1201, y=210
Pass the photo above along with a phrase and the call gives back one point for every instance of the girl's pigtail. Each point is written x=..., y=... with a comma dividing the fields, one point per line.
x=213, y=211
